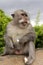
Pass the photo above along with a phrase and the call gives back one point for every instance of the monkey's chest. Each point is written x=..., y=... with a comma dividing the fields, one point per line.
x=18, y=34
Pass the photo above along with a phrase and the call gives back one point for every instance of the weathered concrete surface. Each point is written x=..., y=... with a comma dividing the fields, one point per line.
x=18, y=60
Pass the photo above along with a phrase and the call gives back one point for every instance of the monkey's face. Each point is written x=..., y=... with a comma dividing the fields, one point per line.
x=24, y=21
x=21, y=18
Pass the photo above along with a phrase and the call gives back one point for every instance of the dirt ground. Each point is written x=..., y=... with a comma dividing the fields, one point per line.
x=18, y=60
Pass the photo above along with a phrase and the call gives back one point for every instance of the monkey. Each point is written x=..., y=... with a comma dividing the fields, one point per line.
x=20, y=37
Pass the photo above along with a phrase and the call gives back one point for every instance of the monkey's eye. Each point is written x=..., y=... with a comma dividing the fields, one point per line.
x=25, y=43
x=14, y=46
x=24, y=14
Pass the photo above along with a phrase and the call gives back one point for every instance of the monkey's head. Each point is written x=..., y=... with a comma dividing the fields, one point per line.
x=21, y=18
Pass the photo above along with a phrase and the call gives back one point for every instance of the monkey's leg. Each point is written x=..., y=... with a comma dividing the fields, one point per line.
x=31, y=56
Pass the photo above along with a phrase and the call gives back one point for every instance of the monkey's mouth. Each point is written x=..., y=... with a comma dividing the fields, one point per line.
x=24, y=23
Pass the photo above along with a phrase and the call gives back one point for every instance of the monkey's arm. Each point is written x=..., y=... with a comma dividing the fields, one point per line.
x=8, y=45
x=8, y=41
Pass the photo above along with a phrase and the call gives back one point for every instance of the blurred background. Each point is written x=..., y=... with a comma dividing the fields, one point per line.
x=35, y=11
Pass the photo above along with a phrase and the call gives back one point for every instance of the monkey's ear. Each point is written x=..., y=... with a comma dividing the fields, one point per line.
x=13, y=15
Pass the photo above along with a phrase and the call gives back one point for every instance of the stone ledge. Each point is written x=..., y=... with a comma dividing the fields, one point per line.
x=18, y=60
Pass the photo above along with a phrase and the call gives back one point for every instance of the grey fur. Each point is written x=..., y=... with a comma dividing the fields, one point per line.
x=25, y=35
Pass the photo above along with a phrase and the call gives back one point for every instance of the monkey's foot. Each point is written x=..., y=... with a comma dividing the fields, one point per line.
x=25, y=61
x=4, y=54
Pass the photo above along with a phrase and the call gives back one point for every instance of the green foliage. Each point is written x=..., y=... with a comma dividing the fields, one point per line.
x=39, y=32
x=4, y=19
x=39, y=39
x=1, y=50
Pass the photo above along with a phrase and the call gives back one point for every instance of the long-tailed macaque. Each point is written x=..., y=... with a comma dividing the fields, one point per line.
x=20, y=36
